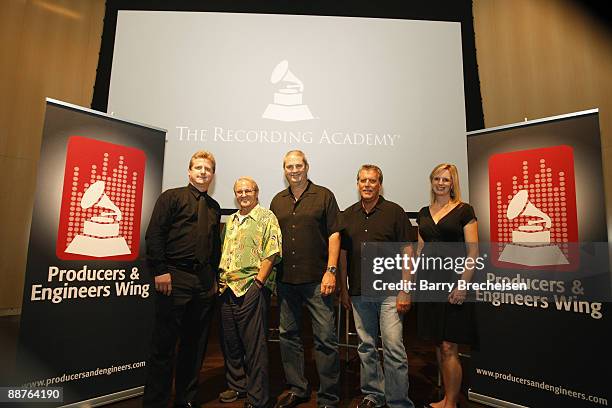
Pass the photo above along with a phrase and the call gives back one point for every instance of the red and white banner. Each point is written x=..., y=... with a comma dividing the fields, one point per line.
x=87, y=305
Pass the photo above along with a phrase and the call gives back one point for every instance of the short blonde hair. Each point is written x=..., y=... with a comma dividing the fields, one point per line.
x=249, y=179
x=368, y=167
x=298, y=153
x=203, y=154
x=455, y=190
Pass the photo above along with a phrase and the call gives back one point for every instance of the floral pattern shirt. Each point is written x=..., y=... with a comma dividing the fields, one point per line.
x=245, y=245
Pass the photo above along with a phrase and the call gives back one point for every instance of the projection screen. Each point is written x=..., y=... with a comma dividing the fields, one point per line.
x=250, y=87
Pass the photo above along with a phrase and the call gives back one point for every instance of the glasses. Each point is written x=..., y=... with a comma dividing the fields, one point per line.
x=244, y=192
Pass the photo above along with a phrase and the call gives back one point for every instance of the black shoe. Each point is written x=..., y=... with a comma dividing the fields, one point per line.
x=368, y=403
x=186, y=405
x=291, y=400
x=230, y=395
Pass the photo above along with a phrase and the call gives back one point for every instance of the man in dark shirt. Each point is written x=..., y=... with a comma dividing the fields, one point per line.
x=374, y=219
x=308, y=217
x=183, y=252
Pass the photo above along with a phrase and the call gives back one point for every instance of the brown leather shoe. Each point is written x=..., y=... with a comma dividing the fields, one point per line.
x=230, y=395
x=291, y=400
x=367, y=403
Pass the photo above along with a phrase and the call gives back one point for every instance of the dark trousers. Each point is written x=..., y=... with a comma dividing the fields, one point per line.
x=244, y=322
x=235, y=376
x=321, y=309
x=185, y=316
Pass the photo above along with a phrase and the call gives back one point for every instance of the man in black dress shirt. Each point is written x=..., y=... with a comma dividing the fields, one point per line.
x=374, y=219
x=183, y=252
x=308, y=217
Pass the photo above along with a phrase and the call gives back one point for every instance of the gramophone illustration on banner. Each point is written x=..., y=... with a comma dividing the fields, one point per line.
x=531, y=242
x=100, y=235
x=287, y=106
x=533, y=216
x=101, y=203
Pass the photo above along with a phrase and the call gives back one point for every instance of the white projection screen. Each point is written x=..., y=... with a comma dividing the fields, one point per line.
x=250, y=87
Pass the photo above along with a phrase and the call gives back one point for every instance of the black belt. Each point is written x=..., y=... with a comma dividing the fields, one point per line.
x=205, y=272
x=186, y=265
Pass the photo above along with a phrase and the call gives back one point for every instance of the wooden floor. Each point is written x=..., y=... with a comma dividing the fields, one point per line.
x=421, y=358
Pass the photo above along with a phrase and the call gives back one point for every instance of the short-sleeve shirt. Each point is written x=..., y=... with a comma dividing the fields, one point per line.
x=306, y=225
x=387, y=222
x=245, y=244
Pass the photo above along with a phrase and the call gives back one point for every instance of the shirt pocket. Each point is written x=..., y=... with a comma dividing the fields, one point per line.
x=311, y=214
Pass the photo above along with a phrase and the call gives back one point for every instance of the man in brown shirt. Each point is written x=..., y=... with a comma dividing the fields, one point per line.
x=308, y=217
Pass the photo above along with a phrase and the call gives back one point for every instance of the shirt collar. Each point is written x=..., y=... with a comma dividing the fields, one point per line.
x=196, y=193
x=255, y=213
x=307, y=191
x=359, y=206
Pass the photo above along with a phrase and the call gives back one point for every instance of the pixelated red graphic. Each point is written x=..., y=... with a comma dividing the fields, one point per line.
x=533, y=208
x=101, y=201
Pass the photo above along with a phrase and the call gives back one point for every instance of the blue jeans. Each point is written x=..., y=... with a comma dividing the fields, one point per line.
x=321, y=309
x=391, y=388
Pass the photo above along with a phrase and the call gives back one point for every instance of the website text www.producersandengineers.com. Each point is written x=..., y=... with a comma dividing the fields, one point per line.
x=45, y=382
x=542, y=385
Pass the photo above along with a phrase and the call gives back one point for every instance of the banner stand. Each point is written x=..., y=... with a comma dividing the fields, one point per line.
x=87, y=311
x=542, y=346
x=108, y=399
x=491, y=402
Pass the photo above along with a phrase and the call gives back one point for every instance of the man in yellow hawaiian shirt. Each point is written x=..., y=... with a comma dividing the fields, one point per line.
x=251, y=247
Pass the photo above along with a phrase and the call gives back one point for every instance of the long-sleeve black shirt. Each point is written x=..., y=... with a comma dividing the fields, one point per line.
x=172, y=231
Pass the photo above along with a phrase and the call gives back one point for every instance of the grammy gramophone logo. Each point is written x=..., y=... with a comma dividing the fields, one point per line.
x=533, y=209
x=101, y=201
x=287, y=105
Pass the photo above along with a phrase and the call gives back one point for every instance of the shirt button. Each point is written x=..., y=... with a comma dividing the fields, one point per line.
x=366, y=230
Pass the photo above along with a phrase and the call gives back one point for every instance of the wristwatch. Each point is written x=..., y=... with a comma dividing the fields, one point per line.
x=332, y=269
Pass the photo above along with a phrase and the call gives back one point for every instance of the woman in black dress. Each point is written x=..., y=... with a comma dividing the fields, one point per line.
x=447, y=320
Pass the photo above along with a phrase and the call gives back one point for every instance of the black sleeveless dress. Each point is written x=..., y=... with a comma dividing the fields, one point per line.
x=440, y=320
